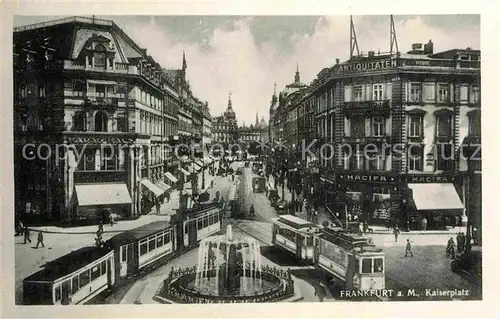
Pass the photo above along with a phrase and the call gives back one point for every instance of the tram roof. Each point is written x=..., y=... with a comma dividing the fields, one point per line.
x=344, y=239
x=138, y=233
x=68, y=264
x=202, y=208
x=294, y=221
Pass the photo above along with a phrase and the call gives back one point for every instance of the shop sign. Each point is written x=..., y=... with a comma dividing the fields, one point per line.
x=366, y=66
x=430, y=179
x=367, y=178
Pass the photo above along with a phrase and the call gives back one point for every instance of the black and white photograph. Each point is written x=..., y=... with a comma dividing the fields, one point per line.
x=218, y=159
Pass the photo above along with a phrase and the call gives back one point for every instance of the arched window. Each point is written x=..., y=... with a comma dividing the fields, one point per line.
x=101, y=122
x=100, y=56
x=79, y=122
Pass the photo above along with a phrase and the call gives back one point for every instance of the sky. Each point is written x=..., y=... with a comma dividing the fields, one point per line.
x=246, y=55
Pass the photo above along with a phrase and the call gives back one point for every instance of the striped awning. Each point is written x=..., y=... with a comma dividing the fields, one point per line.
x=163, y=185
x=155, y=189
x=171, y=177
x=102, y=194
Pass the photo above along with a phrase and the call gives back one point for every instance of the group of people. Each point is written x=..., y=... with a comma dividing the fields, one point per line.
x=23, y=230
x=461, y=246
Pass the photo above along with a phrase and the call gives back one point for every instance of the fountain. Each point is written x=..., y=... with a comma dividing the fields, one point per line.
x=229, y=269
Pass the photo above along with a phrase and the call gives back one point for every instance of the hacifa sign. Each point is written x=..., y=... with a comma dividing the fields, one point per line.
x=365, y=66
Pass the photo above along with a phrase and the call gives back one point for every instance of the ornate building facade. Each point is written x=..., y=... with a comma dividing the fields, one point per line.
x=257, y=132
x=225, y=127
x=92, y=115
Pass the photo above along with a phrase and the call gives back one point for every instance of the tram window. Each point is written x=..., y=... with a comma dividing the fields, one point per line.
x=205, y=222
x=309, y=241
x=210, y=219
x=84, y=278
x=74, y=285
x=151, y=244
x=96, y=272
x=166, y=238
x=186, y=229
x=143, y=248
x=124, y=253
x=103, y=267
x=366, y=266
x=216, y=219
x=200, y=223
x=58, y=292
x=159, y=241
x=378, y=265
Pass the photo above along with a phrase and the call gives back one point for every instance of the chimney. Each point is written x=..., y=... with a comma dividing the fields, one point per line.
x=337, y=61
x=371, y=54
x=429, y=48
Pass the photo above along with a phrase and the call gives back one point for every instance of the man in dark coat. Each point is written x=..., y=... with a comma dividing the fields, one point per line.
x=27, y=235
x=39, y=240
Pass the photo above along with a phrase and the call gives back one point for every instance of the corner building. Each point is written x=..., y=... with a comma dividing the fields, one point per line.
x=399, y=124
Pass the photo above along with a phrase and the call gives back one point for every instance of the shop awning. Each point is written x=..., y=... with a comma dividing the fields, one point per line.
x=102, y=194
x=158, y=191
x=162, y=185
x=183, y=171
x=435, y=196
x=171, y=177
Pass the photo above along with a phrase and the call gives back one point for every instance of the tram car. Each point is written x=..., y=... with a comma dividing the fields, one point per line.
x=294, y=235
x=202, y=222
x=352, y=261
x=82, y=275
x=71, y=279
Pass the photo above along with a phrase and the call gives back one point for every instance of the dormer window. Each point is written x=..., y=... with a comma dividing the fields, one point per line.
x=100, y=56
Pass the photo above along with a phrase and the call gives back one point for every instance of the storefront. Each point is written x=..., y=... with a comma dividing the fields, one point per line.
x=368, y=196
x=434, y=201
x=98, y=201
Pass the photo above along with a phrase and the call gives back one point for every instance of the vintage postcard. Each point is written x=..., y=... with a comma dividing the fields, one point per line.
x=174, y=159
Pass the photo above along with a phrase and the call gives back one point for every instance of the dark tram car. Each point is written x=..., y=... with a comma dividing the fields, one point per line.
x=141, y=248
x=74, y=278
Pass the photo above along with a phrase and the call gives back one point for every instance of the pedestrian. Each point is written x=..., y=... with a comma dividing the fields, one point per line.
x=396, y=233
x=39, y=240
x=408, y=248
x=252, y=211
x=424, y=223
x=320, y=291
x=459, y=242
x=450, y=248
x=100, y=227
x=167, y=196
x=27, y=235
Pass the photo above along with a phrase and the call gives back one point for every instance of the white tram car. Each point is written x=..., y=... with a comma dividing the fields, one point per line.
x=351, y=259
x=201, y=223
x=294, y=235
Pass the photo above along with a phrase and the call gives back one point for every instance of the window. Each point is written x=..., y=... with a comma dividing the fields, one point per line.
x=200, y=223
x=159, y=241
x=429, y=92
x=41, y=90
x=74, y=285
x=78, y=88
x=358, y=127
x=444, y=126
x=378, y=92
x=143, y=248
x=124, y=253
x=357, y=161
x=378, y=265
x=205, y=222
x=100, y=56
x=151, y=243
x=378, y=126
x=109, y=160
x=358, y=93
x=415, y=158
x=415, y=92
x=100, y=90
x=101, y=122
x=103, y=267
x=84, y=278
x=79, y=122
x=415, y=126
x=443, y=95
x=376, y=162
x=57, y=289
x=23, y=90
x=366, y=266
x=96, y=272
x=166, y=238
x=444, y=157
x=475, y=124
x=121, y=123
x=475, y=94
x=464, y=90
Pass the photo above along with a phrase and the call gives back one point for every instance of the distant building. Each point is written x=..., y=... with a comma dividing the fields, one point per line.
x=255, y=132
x=225, y=127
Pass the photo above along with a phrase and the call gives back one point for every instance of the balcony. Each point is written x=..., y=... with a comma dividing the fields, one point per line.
x=119, y=68
x=94, y=101
x=386, y=139
x=364, y=107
